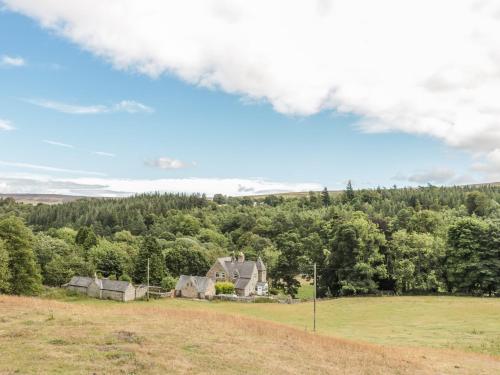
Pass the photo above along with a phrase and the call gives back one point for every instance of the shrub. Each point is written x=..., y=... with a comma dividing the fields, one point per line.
x=125, y=277
x=274, y=291
x=224, y=288
x=168, y=282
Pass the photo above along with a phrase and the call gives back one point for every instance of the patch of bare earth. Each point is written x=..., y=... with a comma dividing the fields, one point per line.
x=42, y=336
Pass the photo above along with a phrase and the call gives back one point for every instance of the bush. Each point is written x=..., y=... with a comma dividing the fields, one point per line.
x=168, y=282
x=224, y=288
x=274, y=291
x=125, y=277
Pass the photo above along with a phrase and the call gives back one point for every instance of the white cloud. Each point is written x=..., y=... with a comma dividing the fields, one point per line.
x=490, y=165
x=128, y=106
x=48, y=168
x=68, y=108
x=124, y=187
x=422, y=67
x=6, y=125
x=438, y=175
x=102, y=153
x=60, y=144
x=14, y=61
x=132, y=106
x=167, y=163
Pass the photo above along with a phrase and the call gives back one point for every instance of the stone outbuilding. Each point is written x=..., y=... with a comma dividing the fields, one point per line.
x=249, y=277
x=79, y=284
x=106, y=289
x=195, y=287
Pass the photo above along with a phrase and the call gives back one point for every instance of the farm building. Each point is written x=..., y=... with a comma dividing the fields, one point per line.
x=249, y=277
x=195, y=287
x=79, y=284
x=106, y=289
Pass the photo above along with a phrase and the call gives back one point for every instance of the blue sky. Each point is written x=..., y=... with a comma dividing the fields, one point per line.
x=171, y=135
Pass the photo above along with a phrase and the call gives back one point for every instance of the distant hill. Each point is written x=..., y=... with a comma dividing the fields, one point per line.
x=41, y=198
x=61, y=198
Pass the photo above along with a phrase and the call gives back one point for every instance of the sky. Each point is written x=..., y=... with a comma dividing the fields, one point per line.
x=240, y=98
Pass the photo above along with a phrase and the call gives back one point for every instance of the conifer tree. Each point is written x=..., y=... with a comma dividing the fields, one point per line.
x=150, y=249
x=325, y=197
x=349, y=191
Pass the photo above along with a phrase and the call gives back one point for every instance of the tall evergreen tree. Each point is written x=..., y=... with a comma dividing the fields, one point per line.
x=325, y=197
x=289, y=262
x=349, y=191
x=150, y=249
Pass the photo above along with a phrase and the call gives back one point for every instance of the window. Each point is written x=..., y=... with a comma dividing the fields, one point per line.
x=236, y=274
x=220, y=275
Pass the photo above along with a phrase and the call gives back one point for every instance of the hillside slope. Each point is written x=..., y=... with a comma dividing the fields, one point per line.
x=109, y=338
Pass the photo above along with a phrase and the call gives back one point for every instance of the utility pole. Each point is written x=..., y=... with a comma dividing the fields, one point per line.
x=314, y=325
x=147, y=290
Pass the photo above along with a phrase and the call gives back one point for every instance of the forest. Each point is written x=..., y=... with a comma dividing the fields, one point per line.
x=421, y=240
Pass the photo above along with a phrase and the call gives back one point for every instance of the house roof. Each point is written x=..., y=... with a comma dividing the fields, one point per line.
x=112, y=285
x=245, y=269
x=201, y=283
x=241, y=283
x=80, y=281
x=115, y=285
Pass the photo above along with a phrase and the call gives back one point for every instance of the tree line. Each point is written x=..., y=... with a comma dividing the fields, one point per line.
x=410, y=240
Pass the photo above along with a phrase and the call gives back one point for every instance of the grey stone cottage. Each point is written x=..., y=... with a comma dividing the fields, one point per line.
x=249, y=277
x=106, y=289
x=195, y=287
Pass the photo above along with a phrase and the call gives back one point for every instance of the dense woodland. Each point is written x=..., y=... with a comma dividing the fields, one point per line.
x=411, y=240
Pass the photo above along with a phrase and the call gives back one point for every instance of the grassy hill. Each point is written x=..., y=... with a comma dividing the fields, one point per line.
x=40, y=336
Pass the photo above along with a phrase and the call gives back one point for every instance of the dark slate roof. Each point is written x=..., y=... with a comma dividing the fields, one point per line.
x=245, y=269
x=260, y=265
x=115, y=285
x=80, y=281
x=241, y=283
x=201, y=283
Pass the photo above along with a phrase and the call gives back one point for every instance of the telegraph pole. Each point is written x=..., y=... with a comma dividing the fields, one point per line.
x=147, y=290
x=314, y=325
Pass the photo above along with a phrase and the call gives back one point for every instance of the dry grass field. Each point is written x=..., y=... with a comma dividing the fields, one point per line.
x=40, y=336
x=461, y=323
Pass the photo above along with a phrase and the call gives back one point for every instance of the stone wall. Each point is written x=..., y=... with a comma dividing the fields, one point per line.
x=77, y=289
x=111, y=294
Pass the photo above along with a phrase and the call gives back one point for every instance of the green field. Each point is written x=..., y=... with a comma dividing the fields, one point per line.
x=470, y=324
x=463, y=323
x=75, y=335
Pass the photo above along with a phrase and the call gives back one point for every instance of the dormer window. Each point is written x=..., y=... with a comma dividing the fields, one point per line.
x=236, y=274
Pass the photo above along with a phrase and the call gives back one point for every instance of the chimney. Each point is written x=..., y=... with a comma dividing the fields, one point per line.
x=241, y=257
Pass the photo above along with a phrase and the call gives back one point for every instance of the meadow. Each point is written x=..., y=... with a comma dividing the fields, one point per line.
x=425, y=335
x=462, y=323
